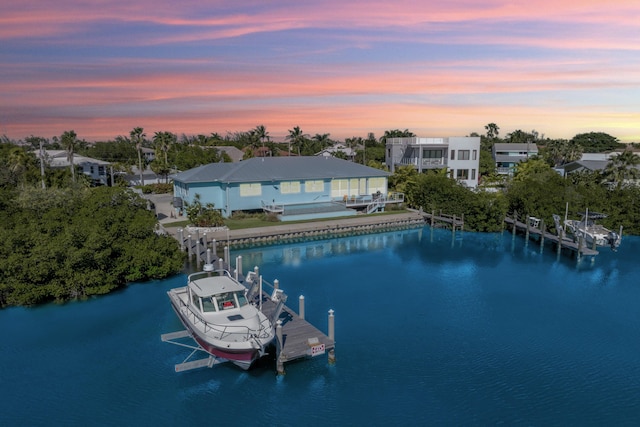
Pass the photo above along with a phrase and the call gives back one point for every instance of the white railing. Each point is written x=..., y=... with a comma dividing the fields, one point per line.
x=425, y=162
x=275, y=208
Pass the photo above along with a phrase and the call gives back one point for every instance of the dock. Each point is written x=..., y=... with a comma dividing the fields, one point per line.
x=440, y=219
x=296, y=338
x=535, y=229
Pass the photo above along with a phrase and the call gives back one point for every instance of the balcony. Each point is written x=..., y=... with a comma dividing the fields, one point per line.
x=425, y=163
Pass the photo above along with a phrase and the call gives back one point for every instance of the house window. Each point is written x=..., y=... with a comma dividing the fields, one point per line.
x=378, y=184
x=463, y=154
x=473, y=174
x=432, y=154
x=289, y=187
x=339, y=188
x=247, y=190
x=475, y=154
x=462, y=174
x=316, y=186
x=354, y=186
x=453, y=154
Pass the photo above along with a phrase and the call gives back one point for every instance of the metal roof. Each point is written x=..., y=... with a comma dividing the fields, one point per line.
x=260, y=169
x=592, y=165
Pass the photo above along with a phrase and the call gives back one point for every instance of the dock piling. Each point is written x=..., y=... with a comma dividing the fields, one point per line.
x=332, y=329
x=301, y=307
x=239, y=265
x=279, y=361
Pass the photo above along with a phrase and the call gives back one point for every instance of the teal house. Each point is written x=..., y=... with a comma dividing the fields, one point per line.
x=291, y=187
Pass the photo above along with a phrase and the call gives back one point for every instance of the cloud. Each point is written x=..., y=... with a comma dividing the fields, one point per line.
x=335, y=66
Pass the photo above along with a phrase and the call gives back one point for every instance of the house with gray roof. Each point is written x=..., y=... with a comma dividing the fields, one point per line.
x=508, y=155
x=235, y=154
x=348, y=152
x=95, y=169
x=291, y=187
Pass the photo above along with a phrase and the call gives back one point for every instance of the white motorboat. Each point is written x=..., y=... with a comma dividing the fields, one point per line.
x=591, y=232
x=214, y=309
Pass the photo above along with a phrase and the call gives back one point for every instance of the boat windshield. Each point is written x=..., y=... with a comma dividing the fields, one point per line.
x=229, y=300
x=208, y=304
x=226, y=301
x=242, y=300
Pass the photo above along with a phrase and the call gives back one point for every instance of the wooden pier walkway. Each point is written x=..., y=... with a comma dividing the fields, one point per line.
x=452, y=221
x=541, y=234
x=300, y=339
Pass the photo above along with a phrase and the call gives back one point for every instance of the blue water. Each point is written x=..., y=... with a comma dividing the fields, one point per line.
x=431, y=329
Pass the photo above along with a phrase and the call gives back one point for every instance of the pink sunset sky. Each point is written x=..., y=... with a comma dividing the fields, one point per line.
x=437, y=68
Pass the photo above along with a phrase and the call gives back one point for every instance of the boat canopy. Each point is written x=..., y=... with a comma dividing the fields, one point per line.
x=214, y=285
x=593, y=215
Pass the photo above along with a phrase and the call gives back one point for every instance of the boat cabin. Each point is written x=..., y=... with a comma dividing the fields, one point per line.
x=216, y=294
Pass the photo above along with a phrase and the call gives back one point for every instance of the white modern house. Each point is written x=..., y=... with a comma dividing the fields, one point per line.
x=95, y=169
x=507, y=155
x=460, y=155
x=349, y=152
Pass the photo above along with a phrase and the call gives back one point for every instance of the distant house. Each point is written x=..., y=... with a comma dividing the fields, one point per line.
x=148, y=154
x=583, y=166
x=148, y=176
x=591, y=162
x=507, y=156
x=459, y=155
x=235, y=154
x=95, y=169
x=349, y=152
x=292, y=187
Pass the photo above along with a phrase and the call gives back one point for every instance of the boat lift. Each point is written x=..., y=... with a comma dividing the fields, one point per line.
x=254, y=283
x=187, y=365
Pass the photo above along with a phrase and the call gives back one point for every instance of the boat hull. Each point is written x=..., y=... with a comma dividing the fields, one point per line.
x=243, y=358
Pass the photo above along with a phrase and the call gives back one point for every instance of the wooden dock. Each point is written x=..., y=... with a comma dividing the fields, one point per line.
x=440, y=219
x=540, y=234
x=300, y=339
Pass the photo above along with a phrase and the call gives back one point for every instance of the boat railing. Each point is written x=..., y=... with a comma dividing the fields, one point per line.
x=226, y=331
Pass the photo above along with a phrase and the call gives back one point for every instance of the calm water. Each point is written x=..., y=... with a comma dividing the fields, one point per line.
x=473, y=330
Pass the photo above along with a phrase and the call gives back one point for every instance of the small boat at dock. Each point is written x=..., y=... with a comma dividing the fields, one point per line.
x=216, y=313
x=590, y=232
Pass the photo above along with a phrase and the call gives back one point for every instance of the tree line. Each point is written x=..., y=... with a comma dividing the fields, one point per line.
x=535, y=188
x=64, y=240
x=59, y=244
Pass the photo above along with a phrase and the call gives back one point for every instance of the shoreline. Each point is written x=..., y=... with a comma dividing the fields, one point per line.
x=284, y=232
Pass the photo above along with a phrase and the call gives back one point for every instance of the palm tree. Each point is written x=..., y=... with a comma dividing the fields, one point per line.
x=137, y=138
x=69, y=143
x=492, y=130
x=322, y=139
x=254, y=140
x=164, y=141
x=622, y=167
x=261, y=133
x=18, y=162
x=297, y=138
